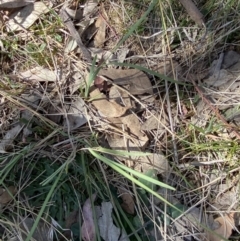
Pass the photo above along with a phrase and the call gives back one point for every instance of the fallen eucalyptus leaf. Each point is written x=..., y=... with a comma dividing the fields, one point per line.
x=88, y=226
x=99, y=37
x=138, y=81
x=7, y=195
x=38, y=74
x=108, y=231
x=89, y=7
x=15, y=3
x=9, y=137
x=119, y=96
x=103, y=54
x=105, y=107
x=26, y=16
x=132, y=122
x=155, y=161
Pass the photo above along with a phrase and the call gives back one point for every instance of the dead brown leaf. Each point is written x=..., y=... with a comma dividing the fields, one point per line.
x=7, y=195
x=15, y=3
x=99, y=37
x=155, y=161
x=134, y=139
x=119, y=96
x=105, y=107
x=9, y=137
x=25, y=17
x=88, y=227
x=128, y=202
x=38, y=74
x=132, y=122
x=225, y=225
x=90, y=7
x=138, y=81
x=156, y=121
x=72, y=218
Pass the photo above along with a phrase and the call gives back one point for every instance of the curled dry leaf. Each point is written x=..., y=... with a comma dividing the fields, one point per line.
x=25, y=17
x=7, y=195
x=138, y=81
x=224, y=226
x=88, y=226
x=128, y=202
x=14, y=3
x=105, y=107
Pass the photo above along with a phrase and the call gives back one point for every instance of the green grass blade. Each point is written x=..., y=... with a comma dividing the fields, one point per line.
x=135, y=173
x=119, y=152
x=43, y=207
x=135, y=26
x=129, y=177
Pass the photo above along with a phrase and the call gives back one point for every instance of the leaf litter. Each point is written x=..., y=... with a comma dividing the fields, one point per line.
x=25, y=17
x=119, y=108
x=15, y=3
